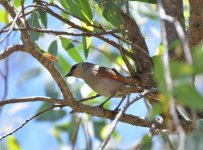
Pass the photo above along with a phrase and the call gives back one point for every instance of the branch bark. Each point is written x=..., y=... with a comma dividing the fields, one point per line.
x=195, y=35
x=174, y=8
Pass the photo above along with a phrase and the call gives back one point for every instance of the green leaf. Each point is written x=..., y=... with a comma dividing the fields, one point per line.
x=12, y=143
x=98, y=126
x=159, y=74
x=146, y=1
x=179, y=69
x=86, y=45
x=70, y=48
x=43, y=17
x=63, y=64
x=147, y=143
x=27, y=75
x=2, y=16
x=34, y=21
x=17, y=3
x=53, y=48
x=111, y=13
x=186, y=94
x=79, y=8
x=51, y=115
x=198, y=59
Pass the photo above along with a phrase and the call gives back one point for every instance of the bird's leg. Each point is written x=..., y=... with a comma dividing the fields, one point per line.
x=116, y=109
x=102, y=104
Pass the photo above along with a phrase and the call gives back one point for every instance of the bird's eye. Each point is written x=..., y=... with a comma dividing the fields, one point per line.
x=73, y=67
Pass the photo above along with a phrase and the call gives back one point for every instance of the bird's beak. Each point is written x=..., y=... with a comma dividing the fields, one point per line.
x=69, y=74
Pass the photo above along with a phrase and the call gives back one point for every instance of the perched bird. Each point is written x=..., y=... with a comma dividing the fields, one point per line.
x=104, y=81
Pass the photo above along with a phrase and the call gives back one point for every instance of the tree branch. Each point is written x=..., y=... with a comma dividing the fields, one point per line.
x=26, y=121
x=195, y=35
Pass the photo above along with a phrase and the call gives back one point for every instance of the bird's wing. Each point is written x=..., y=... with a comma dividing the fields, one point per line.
x=113, y=74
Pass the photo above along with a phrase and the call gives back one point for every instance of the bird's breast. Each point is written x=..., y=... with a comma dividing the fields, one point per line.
x=107, y=87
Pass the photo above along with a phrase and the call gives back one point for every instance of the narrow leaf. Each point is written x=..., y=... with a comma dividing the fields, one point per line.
x=53, y=48
x=70, y=48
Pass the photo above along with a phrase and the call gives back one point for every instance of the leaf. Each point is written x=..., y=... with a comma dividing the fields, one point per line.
x=34, y=21
x=70, y=48
x=197, y=59
x=2, y=16
x=186, y=94
x=79, y=8
x=178, y=69
x=98, y=126
x=17, y=3
x=159, y=75
x=12, y=143
x=51, y=115
x=43, y=18
x=63, y=65
x=147, y=143
x=111, y=13
x=28, y=75
x=53, y=48
x=86, y=45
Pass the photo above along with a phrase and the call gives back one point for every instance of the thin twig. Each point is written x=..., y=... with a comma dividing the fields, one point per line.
x=11, y=27
x=26, y=121
x=119, y=115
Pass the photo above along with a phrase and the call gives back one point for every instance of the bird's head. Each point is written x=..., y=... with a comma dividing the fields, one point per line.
x=78, y=70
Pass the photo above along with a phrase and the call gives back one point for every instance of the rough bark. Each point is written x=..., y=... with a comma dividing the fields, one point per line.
x=174, y=8
x=195, y=35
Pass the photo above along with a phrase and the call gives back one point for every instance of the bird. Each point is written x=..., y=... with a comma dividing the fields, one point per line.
x=104, y=81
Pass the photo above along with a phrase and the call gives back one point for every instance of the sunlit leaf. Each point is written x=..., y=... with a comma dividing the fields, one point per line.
x=86, y=42
x=98, y=126
x=17, y=3
x=70, y=48
x=2, y=16
x=12, y=143
x=79, y=8
x=53, y=48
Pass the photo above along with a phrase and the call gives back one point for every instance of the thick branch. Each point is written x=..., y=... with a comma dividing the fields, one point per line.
x=174, y=8
x=139, y=48
x=196, y=23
